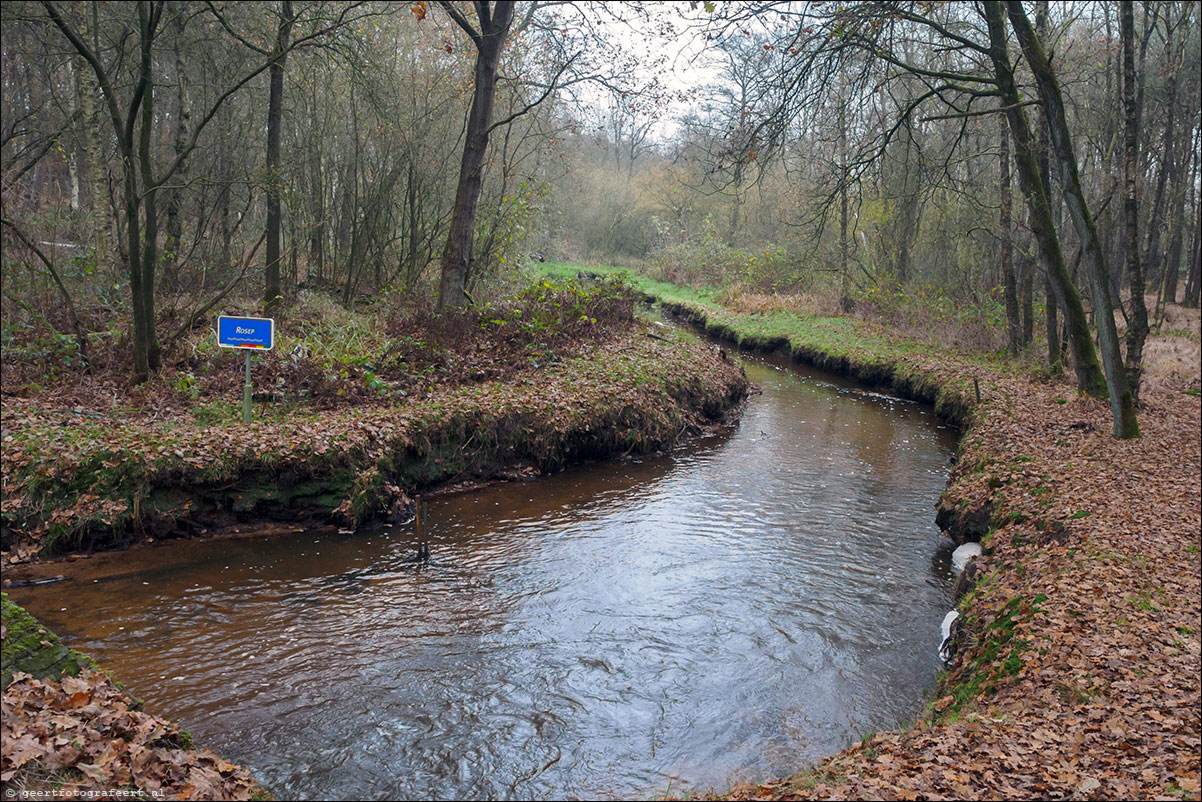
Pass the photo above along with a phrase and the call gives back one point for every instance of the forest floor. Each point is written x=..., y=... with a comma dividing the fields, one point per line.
x=1077, y=673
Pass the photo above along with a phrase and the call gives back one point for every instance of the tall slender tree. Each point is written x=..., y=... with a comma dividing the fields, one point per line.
x=1006, y=251
x=1122, y=400
x=272, y=291
x=489, y=39
x=1137, y=329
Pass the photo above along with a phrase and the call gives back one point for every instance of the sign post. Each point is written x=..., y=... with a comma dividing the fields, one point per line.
x=249, y=334
x=247, y=392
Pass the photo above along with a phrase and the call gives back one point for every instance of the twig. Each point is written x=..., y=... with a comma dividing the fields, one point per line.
x=199, y=313
x=979, y=113
x=81, y=339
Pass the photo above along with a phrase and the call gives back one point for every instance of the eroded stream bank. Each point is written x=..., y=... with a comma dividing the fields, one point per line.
x=727, y=613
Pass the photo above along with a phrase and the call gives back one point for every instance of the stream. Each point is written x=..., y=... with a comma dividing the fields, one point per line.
x=731, y=612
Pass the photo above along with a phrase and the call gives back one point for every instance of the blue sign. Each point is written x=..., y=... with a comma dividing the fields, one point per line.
x=246, y=332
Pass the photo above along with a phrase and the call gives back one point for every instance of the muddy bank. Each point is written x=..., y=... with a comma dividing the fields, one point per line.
x=79, y=483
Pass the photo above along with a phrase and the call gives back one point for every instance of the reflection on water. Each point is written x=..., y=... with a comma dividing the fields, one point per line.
x=728, y=613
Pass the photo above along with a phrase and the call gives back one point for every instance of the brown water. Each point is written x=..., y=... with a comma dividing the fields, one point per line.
x=728, y=613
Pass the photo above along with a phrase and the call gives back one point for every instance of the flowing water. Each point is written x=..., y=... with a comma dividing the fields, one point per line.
x=731, y=612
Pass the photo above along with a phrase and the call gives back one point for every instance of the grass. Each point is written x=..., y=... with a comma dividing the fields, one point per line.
x=834, y=334
x=841, y=344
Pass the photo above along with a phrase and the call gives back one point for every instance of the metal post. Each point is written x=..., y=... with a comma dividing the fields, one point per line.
x=246, y=390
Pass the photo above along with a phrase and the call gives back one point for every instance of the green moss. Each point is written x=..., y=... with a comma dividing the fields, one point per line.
x=998, y=655
x=30, y=648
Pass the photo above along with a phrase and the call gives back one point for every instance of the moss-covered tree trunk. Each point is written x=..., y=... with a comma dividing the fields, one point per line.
x=1085, y=359
x=1122, y=400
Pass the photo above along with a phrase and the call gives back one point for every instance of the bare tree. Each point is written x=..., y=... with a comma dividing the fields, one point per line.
x=132, y=115
x=1122, y=400
x=489, y=39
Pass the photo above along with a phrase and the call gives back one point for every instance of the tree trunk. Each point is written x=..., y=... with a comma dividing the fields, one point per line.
x=150, y=215
x=1172, y=265
x=1055, y=363
x=1154, y=256
x=1122, y=401
x=226, y=230
x=844, y=275
x=1055, y=347
x=456, y=257
x=98, y=189
x=1137, y=329
x=171, y=244
x=1026, y=297
x=1085, y=360
x=1193, y=282
x=317, y=234
x=909, y=213
x=412, y=270
x=1010, y=286
x=272, y=295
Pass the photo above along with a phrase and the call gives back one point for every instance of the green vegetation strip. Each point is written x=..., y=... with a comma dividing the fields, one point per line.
x=914, y=369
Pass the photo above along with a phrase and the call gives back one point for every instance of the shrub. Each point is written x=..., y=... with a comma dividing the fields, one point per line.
x=705, y=259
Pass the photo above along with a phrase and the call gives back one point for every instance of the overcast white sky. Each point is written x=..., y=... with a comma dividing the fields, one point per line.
x=670, y=47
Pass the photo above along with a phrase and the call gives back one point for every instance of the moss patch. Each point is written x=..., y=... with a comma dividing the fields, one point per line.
x=30, y=648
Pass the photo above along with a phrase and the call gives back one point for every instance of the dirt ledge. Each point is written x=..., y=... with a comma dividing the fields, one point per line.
x=108, y=486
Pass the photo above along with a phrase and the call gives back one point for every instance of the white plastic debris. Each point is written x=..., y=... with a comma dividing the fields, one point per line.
x=946, y=644
x=963, y=554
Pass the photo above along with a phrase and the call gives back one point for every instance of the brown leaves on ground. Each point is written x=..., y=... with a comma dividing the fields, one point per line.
x=1094, y=691
x=326, y=357
x=81, y=735
x=82, y=476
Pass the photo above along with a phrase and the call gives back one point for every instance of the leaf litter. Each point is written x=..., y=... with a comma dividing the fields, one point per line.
x=84, y=737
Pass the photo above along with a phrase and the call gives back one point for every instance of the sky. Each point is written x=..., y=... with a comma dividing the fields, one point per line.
x=669, y=50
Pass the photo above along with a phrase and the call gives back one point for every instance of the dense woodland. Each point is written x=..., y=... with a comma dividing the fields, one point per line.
x=1019, y=176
